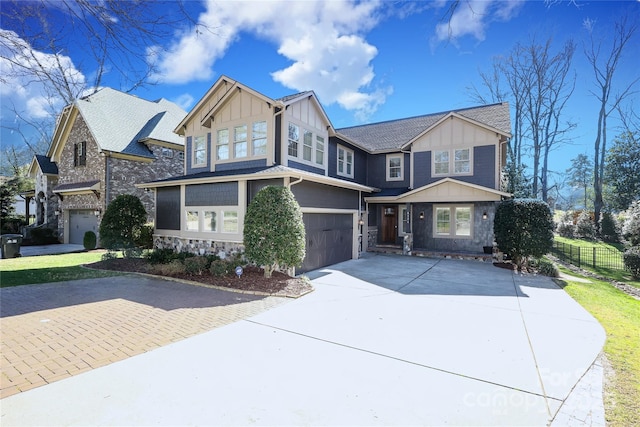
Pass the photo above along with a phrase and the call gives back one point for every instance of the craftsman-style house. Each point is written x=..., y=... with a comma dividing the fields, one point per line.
x=103, y=145
x=421, y=184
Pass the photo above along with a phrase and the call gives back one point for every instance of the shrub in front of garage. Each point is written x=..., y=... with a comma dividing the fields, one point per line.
x=122, y=222
x=274, y=234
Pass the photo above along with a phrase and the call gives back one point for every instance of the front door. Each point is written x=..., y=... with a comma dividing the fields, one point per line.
x=389, y=224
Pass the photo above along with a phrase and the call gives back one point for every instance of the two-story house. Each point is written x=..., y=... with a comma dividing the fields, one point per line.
x=434, y=178
x=103, y=145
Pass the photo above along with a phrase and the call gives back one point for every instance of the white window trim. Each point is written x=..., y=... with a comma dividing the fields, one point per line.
x=388, y=159
x=346, y=150
x=315, y=133
x=231, y=144
x=452, y=162
x=193, y=152
x=220, y=211
x=452, y=222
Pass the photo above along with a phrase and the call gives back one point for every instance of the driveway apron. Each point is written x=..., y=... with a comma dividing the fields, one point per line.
x=384, y=340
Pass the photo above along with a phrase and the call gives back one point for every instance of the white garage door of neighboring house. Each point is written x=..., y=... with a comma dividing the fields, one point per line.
x=329, y=240
x=81, y=221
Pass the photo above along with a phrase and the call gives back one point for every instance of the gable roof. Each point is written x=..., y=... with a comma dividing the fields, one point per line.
x=44, y=163
x=121, y=123
x=444, y=190
x=394, y=134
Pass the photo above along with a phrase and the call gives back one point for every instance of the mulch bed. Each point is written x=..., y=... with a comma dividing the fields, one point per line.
x=252, y=279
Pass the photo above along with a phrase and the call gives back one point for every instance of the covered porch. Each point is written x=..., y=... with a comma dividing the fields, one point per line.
x=446, y=219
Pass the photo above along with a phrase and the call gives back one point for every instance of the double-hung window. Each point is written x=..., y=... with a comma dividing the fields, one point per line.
x=453, y=221
x=319, y=150
x=441, y=162
x=345, y=162
x=294, y=139
x=240, y=141
x=259, y=138
x=394, y=167
x=222, y=144
x=200, y=150
x=452, y=162
x=307, y=148
x=462, y=161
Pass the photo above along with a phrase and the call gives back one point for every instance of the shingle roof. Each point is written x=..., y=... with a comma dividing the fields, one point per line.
x=393, y=134
x=46, y=165
x=119, y=121
x=288, y=98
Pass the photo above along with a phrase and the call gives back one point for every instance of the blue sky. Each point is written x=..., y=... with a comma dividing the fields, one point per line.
x=371, y=61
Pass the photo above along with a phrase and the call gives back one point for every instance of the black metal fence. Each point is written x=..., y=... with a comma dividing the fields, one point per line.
x=592, y=257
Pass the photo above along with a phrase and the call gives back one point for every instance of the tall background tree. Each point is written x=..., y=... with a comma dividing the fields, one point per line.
x=580, y=174
x=622, y=171
x=116, y=38
x=604, y=63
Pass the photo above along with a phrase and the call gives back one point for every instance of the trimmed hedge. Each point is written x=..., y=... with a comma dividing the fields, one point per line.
x=632, y=261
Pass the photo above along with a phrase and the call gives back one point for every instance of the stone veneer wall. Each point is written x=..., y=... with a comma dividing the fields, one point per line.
x=197, y=246
x=68, y=173
x=124, y=174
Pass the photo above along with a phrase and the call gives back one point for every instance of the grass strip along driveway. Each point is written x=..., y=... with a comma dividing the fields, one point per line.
x=619, y=315
x=50, y=268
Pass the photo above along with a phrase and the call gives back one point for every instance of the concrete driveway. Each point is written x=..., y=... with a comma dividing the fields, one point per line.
x=384, y=340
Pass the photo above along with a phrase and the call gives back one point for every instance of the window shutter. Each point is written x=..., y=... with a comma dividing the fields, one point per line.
x=75, y=154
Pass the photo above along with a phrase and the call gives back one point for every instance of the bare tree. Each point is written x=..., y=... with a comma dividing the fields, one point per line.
x=540, y=84
x=604, y=67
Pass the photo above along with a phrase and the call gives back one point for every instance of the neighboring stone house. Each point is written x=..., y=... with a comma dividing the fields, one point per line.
x=421, y=184
x=45, y=174
x=102, y=146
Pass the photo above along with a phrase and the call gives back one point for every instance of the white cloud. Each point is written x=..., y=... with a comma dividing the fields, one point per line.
x=472, y=17
x=24, y=87
x=184, y=101
x=323, y=40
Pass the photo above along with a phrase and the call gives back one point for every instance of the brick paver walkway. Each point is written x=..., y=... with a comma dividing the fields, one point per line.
x=53, y=331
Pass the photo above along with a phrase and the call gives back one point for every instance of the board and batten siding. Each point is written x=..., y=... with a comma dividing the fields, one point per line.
x=168, y=208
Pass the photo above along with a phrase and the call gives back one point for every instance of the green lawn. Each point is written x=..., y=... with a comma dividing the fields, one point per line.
x=619, y=314
x=49, y=268
x=605, y=252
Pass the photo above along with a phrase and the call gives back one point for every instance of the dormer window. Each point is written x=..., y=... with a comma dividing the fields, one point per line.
x=80, y=154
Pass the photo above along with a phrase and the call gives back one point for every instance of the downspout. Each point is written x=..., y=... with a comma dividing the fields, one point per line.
x=289, y=185
x=107, y=184
x=273, y=131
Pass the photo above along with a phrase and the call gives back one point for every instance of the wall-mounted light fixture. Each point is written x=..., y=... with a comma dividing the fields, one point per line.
x=484, y=215
x=421, y=216
x=97, y=212
x=58, y=212
x=360, y=222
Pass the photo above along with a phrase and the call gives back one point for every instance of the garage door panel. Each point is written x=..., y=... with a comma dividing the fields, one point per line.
x=81, y=221
x=329, y=240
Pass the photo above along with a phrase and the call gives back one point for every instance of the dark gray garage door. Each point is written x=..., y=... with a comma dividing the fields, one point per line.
x=81, y=221
x=329, y=240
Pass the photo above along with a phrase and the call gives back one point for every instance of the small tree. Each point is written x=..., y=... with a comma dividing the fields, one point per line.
x=523, y=228
x=609, y=228
x=122, y=222
x=631, y=226
x=584, y=226
x=274, y=234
